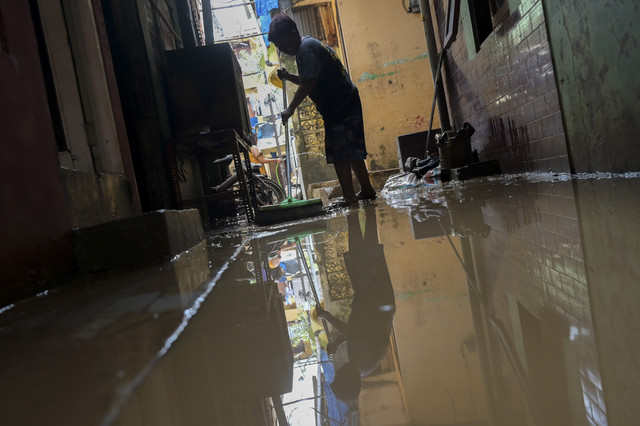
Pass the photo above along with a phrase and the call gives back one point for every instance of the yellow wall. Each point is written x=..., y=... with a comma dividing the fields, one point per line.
x=387, y=57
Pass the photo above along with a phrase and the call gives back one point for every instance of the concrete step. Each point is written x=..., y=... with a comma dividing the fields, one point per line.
x=140, y=240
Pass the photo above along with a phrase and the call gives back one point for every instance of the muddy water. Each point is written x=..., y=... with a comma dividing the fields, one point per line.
x=506, y=301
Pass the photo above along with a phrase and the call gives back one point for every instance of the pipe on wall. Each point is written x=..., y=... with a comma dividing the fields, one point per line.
x=432, y=50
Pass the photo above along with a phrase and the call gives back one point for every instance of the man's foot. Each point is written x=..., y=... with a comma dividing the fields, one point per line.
x=345, y=202
x=366, y=196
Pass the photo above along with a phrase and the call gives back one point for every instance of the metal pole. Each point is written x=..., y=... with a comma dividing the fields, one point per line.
x=286, y=139
x=234, y=5
x=280, y=414
x=273, y=124
x=313, y=287
x=432, y=49
x=243, y=37
x=207, y=22
x=304, y=289
x=478, y=325
x=318, y=383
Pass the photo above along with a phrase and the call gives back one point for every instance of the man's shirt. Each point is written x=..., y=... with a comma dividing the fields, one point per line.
x=334, y=91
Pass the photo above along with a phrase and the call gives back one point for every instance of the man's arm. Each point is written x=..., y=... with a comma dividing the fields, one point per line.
x=283, y=74
x=304, y=89
x=338, y=324
x=259, y=156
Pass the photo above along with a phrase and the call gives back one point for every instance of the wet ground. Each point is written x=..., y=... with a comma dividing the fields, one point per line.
x=502, y=301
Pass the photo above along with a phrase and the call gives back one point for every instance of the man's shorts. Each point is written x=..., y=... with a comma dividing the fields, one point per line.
x=344, y=140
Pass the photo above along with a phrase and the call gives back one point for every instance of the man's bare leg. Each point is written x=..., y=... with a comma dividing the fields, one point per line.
x=362, y=174
x=343, y=171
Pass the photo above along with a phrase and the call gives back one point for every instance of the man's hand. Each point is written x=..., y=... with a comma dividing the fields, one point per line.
x=321, y=312
x=283, y=74
x=286, y=114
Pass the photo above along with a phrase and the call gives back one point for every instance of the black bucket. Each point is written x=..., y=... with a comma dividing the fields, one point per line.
x=455, y=153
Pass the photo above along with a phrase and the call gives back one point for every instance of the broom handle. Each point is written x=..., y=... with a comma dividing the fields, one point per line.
x=313, y=286
x=286, y=137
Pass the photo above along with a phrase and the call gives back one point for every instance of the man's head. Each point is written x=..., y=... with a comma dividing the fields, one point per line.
x=283, y=32
x=346, y=385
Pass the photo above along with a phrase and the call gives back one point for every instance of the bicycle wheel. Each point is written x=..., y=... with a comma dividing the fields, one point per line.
x=267, y=191
x=277, y=189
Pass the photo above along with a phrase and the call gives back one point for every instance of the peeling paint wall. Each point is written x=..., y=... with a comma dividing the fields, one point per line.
x=386, y=51
x=595, y=48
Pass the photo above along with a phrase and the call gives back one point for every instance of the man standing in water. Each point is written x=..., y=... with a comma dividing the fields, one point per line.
x=324, y=79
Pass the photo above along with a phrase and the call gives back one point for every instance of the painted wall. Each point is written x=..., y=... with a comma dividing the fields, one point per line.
x=386, y=53
x=506, y=89
x=594, y=45
x=34, y=221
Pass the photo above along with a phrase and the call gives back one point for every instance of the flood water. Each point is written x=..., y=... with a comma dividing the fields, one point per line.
x=502, y=301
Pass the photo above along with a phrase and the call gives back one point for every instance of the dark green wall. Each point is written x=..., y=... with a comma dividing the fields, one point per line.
x=596, y=54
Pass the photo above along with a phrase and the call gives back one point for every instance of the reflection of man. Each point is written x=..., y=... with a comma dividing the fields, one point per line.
x=365, y=336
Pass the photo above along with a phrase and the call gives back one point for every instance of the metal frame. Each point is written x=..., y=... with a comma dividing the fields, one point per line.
x=210, y=146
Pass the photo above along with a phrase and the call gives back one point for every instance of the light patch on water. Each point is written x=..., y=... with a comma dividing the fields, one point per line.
x=385, y=308
x=598, y=175
x=6, y=308
x=533, y=177
x=573, y=333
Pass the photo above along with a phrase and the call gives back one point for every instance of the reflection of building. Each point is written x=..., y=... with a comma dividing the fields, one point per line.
x=234, y=357
x=336, y=285
x=542, y=361
x=551, y=306
x=434, y=331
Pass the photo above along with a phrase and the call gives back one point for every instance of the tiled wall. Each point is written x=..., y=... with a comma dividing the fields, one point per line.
x=507, y=91
x=536, y=233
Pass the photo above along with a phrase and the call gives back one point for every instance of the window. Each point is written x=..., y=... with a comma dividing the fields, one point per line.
x=3, y=39
x=481, y=20
x=499, y=9
x=317, y=22
x=480, y=17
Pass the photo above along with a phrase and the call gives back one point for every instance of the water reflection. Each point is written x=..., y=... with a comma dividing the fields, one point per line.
x=361, y=342
x=501, y=302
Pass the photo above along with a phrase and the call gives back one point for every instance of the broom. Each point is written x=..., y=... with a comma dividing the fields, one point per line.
x=290, y=208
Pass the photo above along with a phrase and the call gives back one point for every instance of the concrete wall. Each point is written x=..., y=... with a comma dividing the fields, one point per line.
x=593, y=46
x=96, y=198
x=386, y=52
x=35, y=251
x=506, y=89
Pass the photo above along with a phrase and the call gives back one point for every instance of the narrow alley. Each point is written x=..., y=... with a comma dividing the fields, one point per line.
x=319, y=213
